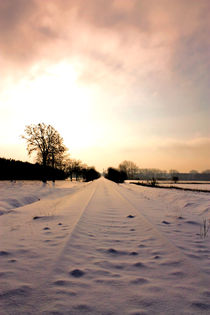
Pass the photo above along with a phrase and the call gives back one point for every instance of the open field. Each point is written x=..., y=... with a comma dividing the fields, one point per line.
x=103, y=248
x=200, y=185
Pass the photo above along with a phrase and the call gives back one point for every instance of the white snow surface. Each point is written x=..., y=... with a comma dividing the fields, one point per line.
x=191, y=186
x=14, y=194
x=103, y=248
x=198, y=185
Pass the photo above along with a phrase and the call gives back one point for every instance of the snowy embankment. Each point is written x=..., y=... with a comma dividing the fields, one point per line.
x=107, y=249
x=175, y=203
x=20, y=193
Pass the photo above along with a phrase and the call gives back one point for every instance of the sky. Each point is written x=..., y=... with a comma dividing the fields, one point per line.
x=118, y=79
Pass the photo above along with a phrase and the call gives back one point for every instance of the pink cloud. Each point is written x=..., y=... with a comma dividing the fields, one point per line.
x=132, y=35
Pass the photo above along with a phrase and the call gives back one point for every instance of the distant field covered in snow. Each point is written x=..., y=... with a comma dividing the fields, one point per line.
x=202, y=185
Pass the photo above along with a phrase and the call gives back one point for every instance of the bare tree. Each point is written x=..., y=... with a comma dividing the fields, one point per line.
x=206, y=172
x=130, y=168
x=193, y=172
x=74, y=167
x=46, y=142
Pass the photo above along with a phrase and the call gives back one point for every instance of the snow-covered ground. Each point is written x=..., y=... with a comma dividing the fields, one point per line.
x=19, y=193
x=193, y=185
x=103, y=248
x=202, y=186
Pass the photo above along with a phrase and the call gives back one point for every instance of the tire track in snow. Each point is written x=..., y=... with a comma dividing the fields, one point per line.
x=193, y=267
x=126, y=257
x=111, y=263
x=35, y=279
x=58, y=259
x=75, y=224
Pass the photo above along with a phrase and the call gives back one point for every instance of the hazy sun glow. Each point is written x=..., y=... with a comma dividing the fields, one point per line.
x=56, y=97
x=132, y=84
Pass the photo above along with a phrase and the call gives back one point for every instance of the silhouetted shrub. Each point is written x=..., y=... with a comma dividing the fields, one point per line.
x=153, y=182
x=175, y=178
x=116, y=175
x=90, y=174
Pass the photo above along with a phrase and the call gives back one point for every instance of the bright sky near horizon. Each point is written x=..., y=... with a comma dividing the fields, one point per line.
x=119, y=79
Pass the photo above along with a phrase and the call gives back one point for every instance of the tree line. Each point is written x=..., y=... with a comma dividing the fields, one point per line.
x=52, y=160
x=17, y=170
x=129, y=170
x=11, y=169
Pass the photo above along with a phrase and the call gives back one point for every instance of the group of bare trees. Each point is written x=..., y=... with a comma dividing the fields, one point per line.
x=130, y=168
x=134, y=172
x=50, y=151
x=125, y=170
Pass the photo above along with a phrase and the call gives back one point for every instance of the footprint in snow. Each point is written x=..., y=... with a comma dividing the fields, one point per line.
x=139, y=281
x=61, y=283
x=201, y=306
x=192, y=222
x=112, y=251
x=139, y=265
x=36, y=218
x=4, y=253
x=77, y=273
x=166, y=222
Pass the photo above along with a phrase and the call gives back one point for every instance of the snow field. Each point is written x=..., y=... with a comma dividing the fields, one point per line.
x=19, y=193
x=200, y=185
x=106, y=249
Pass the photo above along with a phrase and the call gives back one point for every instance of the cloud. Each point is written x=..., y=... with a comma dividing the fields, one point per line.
x=198, y=145
x=144, y=38
x=15, y=22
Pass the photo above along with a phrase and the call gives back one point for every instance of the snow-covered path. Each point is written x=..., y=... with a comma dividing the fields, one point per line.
x=105, y=249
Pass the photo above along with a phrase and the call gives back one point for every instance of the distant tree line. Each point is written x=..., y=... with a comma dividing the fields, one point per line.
x=52, y=160
x=132, y=171
x=174, y=175
x=90, y=174
x=76, y=170
x=17, y=170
